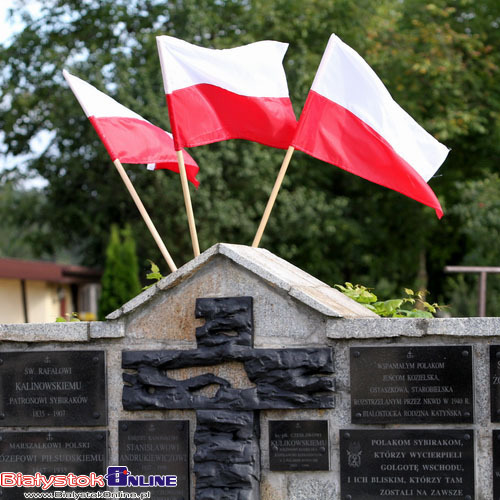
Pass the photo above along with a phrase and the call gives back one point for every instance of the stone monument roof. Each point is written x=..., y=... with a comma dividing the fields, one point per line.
x=271, y=269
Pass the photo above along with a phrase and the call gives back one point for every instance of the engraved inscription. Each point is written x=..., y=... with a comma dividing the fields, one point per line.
x=431, y=384
x=417, y=464
x=495, y=382
x=54, y=452
x=298, y=445
x=151, y=447
x=62, y=388
x=496, y=464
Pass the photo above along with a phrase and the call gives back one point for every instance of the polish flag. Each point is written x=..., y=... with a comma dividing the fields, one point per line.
x=351, y=121
x=239, y=93
x=127, y=136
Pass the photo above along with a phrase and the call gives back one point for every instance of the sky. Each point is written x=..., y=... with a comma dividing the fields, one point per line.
x=7, y=29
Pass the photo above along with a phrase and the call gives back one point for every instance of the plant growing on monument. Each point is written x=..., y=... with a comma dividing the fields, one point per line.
x=155, y=275
x=120, y=281
x=72, y=318
x=393, y=308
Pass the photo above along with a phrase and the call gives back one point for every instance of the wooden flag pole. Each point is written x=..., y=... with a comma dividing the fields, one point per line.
x=272, y=198
x=145, y=216
x=187, y=202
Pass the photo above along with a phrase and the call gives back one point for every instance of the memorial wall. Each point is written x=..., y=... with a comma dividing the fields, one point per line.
x=244, y=378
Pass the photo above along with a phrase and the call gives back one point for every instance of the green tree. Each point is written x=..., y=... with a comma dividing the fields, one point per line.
x=120, y=281
x=477, y=217
x=436, y=58
x=112, y=45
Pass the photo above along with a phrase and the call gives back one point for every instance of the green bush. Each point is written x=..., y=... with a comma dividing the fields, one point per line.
x=120, y=281
x=413, y=305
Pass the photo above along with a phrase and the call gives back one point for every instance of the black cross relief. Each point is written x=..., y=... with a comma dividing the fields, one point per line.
x=227, y=458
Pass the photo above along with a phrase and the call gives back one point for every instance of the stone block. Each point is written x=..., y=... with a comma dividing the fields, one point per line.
x=46, y=332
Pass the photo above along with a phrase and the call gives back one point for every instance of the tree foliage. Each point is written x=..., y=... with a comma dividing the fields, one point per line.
x=437, y=59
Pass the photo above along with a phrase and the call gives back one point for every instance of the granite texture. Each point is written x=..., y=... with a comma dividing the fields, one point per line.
x=370, y=328
x=72, y=331
x=321, y=486
x=107, y=329
x=281, y=321
x=270, y=269
x=45, y=332
x=292, y=310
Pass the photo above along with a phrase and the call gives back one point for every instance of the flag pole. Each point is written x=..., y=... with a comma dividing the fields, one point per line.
x=272, y=198
x=145, y=215
x=187, y=202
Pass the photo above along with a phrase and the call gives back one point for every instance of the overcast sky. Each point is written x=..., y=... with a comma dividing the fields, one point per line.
x=7, y=28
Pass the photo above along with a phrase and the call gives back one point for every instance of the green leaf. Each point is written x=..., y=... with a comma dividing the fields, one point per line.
x=388, y=308
x=154, y=268
x=154, y=276
x=430, y=307
x=418, y=314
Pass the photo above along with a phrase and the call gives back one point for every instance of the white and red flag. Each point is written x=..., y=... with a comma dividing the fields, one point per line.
x=214, y=95
x=126, y=135
x=351, y=121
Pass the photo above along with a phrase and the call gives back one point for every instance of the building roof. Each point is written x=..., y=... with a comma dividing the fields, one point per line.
x=47, y=271
x=271, y=269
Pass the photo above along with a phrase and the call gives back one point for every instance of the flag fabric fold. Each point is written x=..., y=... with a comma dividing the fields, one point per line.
x=239, y=93
x=126, y=135
x=351, y=121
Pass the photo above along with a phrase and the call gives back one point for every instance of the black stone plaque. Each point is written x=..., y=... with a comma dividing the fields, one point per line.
x=298, y=445
x=52, y=388
x=161, y=447
x=495, y=382
x=54, y=452
x=407, y=464
x=496, y=465
x=431, y=384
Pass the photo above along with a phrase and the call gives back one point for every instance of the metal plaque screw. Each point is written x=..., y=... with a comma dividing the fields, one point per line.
x=498, y=436
x=466, y=437
x=2, y=416
x=124, y=427
x=347, y=435
x=95, y=359
x=498, y=355
x=466, y=413
x=348, y=497
x=1, y=361
x=356, y=354
x=96, y=415
x=358, y=415
x=465, y=354
x=468, y=497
